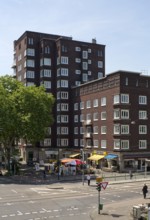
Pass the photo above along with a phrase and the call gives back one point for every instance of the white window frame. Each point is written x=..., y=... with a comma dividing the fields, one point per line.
x=95, y=143
x=124, y=114
x=116, y=144
x=88, y=104
x=64, y=60
x=103, y=144
x=76, y=130
x=103, y=129
x=124, y=129
x=142, y=129
x=142, y=114
x=100, y=64
x=116, y=99
x=76, y=118
x=95, y=116
x=95, y=103
x=116, y=113
x=124, y=144
x=103, y=101
x=142, y=144
x=125, y=98
x=116, y=128
x=84, y=54
x=142, y=100
x=95, y=129
x=103, y=115
x=76, y=106
x=82, y=105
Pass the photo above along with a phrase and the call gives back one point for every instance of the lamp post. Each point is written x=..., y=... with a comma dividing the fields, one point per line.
x=82, y=154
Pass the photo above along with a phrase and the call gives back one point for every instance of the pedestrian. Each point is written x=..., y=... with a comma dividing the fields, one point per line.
x=44, y=174
x=130, y=173
x=88, y=179
x=145, y=190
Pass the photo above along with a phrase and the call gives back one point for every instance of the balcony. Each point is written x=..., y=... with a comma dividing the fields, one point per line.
x=88, y=135
x=87, y=122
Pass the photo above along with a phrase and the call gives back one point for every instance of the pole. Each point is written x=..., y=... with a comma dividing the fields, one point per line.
x=82, y=167
x=98, y=202
x=58, y=164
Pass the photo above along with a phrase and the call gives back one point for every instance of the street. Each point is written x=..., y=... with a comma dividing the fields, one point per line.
x=61, y=201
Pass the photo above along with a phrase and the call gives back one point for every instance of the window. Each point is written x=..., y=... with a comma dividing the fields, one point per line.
x=124, y=98
x=19, y=57
x=125, y=114
x=77, y=49
x=30, y=52
x=103, y=143
x=47, y=50
x=30, y=41
x=49, y=130
x=103, y=129
x=117, y=144
x=100, y=64
x=76, y=142
x=103, y=115
x=89, y=50
x=99, y=53
x=84, y=65
x=116, y=114
x=64, y=107
x=64, y=72
x=64, y=130
x=95, y=143
x=75, y=130
x=81, y=105
x=126, y=81
x=124, y=129
x=81, y=130
x=95, y=116
x=47, y=62
x=100, y=75
x=64, y=60
x=64, y=83
x=30, y=63
x=142, y=100
x=116, y=99
x=142, y=144
x=78, y=60
x=75, y=118
x=77, y=83
x=89, y=143
x=78, y=71
x=88, y=117
x=19, y=68
x=30, y=74
x=116, y=129
x=142, y=114
x=30, y=84
x=81, y=118
x=95, y=129
x=103, y=101
x=84, y=54
x=64, y=118
x=64, y=95
x=47, y=84
x=75, y=106
x=95, y=103
x=64, y=48
x=64, y=142
x=82, y=142
x=85, y=77
x=124, y=144
x=89, y=73
x=47, y=73
x=47, y=142
x=142, y=129
x=88, y=104
x=89, y=61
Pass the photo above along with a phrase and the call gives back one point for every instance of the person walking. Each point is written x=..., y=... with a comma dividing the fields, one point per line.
x=145, y=190
x=89, y=179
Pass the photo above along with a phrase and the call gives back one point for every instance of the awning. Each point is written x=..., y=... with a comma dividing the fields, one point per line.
x=111, y=156
x=74, y=155
x=96, y=157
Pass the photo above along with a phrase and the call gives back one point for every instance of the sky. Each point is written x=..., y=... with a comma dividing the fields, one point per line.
x=122, y=25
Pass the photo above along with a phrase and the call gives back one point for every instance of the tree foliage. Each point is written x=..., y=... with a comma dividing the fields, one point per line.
x=25, y=112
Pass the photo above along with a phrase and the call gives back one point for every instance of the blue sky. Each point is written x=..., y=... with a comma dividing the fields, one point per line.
x=122, y=25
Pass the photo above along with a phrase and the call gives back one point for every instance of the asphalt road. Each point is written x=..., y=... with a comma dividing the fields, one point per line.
x=68, y=201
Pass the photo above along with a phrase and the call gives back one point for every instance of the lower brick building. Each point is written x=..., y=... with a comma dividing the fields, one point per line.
x=112, y=116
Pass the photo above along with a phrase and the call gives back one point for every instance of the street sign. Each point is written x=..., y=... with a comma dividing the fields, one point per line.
x=99, y=179
x=104, y=184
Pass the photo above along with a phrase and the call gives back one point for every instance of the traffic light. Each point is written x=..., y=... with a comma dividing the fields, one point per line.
x=98, y=187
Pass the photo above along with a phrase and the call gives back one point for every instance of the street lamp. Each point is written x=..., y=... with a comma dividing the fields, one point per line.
x=82, y=155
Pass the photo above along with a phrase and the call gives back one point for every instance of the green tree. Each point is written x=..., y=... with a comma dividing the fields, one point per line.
x=25, y=112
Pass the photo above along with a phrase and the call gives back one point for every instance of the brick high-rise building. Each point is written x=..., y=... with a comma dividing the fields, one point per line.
x=59, y=63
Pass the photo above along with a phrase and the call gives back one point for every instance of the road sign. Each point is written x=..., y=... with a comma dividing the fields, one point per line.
x=104, y=184
x=99, y=179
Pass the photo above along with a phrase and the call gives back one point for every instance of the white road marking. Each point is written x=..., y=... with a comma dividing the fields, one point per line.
x=4, y=216
x=19, y=213
x=27, y=213
x=14, y=191
x=34, y=212
x=12, y=215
